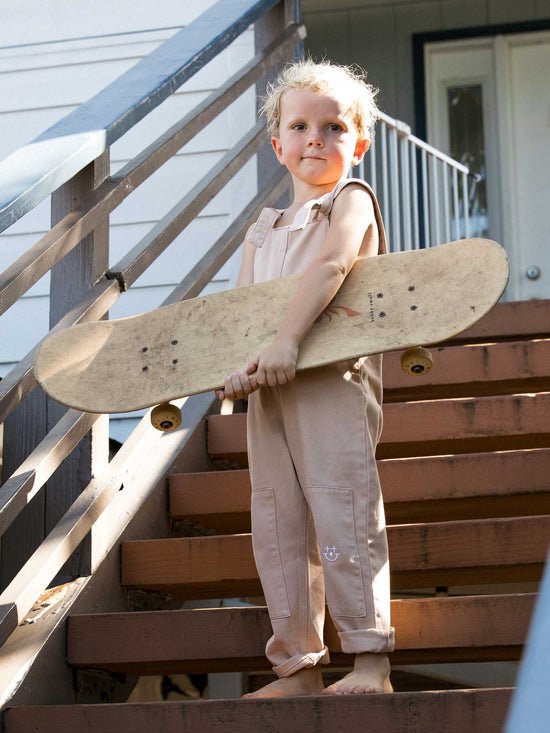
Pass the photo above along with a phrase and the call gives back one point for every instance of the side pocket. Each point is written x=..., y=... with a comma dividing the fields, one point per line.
x=334, y=518
x=265, y=541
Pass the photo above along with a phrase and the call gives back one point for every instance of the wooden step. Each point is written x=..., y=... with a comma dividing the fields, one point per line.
x=475, y=711
x=439, y=629
x=421, y=555
x=432, y=427
x=473, y=370
x=525, y=319
x=435, y=488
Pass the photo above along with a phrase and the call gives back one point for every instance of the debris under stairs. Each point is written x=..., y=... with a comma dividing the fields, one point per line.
x=465, y=468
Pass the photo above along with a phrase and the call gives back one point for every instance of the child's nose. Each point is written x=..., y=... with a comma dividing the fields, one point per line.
x=315, y=141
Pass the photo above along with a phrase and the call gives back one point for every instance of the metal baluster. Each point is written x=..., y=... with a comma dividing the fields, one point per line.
x=457, y=234
x=385, y=185
x=414, y=185
x=446, y=201
x=436, y=234
x=466, y=205
x=394, y=159
x=406, y=193
x=426, y=199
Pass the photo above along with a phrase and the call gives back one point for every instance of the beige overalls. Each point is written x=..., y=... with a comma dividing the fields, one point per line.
x=317, y=514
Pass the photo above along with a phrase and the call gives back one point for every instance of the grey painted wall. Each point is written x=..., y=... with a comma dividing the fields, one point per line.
x=378, y=35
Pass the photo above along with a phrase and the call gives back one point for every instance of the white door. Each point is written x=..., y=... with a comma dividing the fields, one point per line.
x=488, y=103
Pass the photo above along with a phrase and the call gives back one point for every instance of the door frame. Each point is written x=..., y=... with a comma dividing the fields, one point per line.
x=500, y=36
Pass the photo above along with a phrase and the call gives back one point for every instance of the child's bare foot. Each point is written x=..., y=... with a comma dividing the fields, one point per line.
x=303, y=682
x=371, y=673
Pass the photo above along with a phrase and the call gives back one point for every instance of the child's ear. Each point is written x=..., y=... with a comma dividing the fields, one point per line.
x=278, y=148
x=361, y=147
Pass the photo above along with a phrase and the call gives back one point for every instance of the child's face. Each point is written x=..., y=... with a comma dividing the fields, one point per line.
x=317, y=140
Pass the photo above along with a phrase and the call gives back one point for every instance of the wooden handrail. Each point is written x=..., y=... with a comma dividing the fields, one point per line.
x=153, y=244
x=33, y=473
x=20, y=381
x=62, y=238
x=205, y=269
x=34, y=171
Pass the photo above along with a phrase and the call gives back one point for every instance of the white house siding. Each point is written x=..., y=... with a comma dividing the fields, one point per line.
x=56, y=55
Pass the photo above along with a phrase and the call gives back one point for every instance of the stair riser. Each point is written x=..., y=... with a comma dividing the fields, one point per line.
x=421, y=555
x=417, y=489
x=475, y=711
x=434, y=427
x=428, y=629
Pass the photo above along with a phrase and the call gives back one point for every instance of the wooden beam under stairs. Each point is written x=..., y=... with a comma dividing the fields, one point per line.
x=432, y=488
x=442, y=629
x=421, y=555
x=452, y=711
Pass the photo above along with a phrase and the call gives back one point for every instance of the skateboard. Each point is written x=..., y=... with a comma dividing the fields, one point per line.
x=386, y=303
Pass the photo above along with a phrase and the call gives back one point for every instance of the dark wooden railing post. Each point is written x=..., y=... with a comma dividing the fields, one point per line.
x=70, y=279
x=266, y=30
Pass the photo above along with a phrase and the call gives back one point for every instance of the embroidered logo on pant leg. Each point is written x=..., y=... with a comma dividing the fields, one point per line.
x=331, y=553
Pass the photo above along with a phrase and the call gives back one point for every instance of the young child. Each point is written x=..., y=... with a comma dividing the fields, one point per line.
x=317, y=512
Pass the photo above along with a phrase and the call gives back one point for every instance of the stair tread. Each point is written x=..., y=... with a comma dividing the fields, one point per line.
x=431, y=427
x=421, y=555
x=513, y=483
x=222, y=639
x=473, y=370
x=477, y=711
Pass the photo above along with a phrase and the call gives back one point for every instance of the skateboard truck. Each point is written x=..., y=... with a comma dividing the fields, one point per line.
x=417, y=361
x=166, y=417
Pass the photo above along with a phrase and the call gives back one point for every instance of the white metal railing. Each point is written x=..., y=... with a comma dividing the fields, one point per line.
x=423, y=193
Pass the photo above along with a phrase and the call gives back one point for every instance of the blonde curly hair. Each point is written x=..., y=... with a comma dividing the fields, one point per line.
x=346, y=84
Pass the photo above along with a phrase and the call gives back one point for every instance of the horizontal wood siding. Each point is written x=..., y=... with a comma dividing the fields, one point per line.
x=63, y=65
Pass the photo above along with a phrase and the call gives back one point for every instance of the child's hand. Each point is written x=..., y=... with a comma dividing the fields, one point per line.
x=237, y=386
x=276, y=364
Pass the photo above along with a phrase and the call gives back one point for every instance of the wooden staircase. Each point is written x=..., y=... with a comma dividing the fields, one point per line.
x=464, y=463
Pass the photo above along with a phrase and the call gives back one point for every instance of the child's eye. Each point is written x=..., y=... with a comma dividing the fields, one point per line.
x=299, y=126
x=335, y=127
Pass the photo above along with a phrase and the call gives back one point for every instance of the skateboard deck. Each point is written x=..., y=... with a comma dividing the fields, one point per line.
x=386, y=303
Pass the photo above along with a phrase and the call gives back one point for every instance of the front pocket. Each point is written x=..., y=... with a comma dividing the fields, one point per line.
x=265, y=542
x=333, y=513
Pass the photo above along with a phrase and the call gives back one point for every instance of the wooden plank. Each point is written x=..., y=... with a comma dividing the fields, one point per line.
x=70, y=279
x=514, y=320
x=432, y=427
x=202, y=273
x=226, y=639
x=34, y=171
x=475, y=711
x=137, y=511
x=137, y=260
x=470, y=486
x=473, y=370
x=20, y=381
x=29, y=478
x=421, y=555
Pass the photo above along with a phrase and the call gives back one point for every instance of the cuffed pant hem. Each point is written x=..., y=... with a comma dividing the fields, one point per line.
x=301, y=661
x=376, y=641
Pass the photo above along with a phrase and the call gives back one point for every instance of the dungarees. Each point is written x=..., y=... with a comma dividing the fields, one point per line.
x=317, y=514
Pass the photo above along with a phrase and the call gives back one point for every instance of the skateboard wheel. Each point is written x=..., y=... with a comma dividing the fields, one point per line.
x=417, y=361
x=166, y=417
